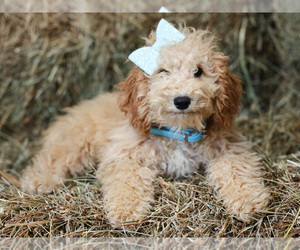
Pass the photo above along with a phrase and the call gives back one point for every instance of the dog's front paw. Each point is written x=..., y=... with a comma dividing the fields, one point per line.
x=127, y=200
x=126, y=208
x=127, y=190
x=123, y=217
x=247, y=203
x=237, y=178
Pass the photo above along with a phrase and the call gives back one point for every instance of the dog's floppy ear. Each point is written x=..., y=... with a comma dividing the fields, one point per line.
x=228, y=99
x=132, y=100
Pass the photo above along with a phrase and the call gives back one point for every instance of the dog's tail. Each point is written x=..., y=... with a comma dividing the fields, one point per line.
x=11, y=179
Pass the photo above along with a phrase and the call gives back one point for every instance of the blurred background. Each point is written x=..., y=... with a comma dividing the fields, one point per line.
x=51, y=61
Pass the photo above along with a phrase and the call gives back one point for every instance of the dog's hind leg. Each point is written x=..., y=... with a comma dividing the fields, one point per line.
x=51, y=166
x=73, y=144
x=66, y=152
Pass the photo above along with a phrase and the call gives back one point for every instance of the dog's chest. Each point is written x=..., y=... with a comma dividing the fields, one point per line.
x=177, y=158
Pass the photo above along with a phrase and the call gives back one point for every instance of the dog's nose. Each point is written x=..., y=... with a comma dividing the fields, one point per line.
x=182, y=102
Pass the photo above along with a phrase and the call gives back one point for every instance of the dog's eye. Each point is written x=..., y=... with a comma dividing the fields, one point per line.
x=198, y=72
x=163, y=71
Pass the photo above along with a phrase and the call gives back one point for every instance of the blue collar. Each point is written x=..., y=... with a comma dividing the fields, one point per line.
x=189, y=135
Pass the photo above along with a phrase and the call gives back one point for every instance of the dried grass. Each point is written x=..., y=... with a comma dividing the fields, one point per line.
x=50, y=61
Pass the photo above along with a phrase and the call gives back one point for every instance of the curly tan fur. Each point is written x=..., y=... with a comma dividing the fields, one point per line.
x=132, y=104
x=228, y=99
x=112, y=132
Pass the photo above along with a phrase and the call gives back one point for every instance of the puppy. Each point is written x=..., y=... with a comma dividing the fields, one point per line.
x=191, y=92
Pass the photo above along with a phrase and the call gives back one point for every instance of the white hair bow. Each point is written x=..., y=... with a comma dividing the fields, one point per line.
x=146, y=58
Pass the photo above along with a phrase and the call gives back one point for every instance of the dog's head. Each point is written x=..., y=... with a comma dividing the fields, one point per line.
x=191, y=84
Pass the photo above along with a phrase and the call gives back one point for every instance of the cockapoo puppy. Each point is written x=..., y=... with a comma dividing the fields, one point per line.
x=190, y=88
